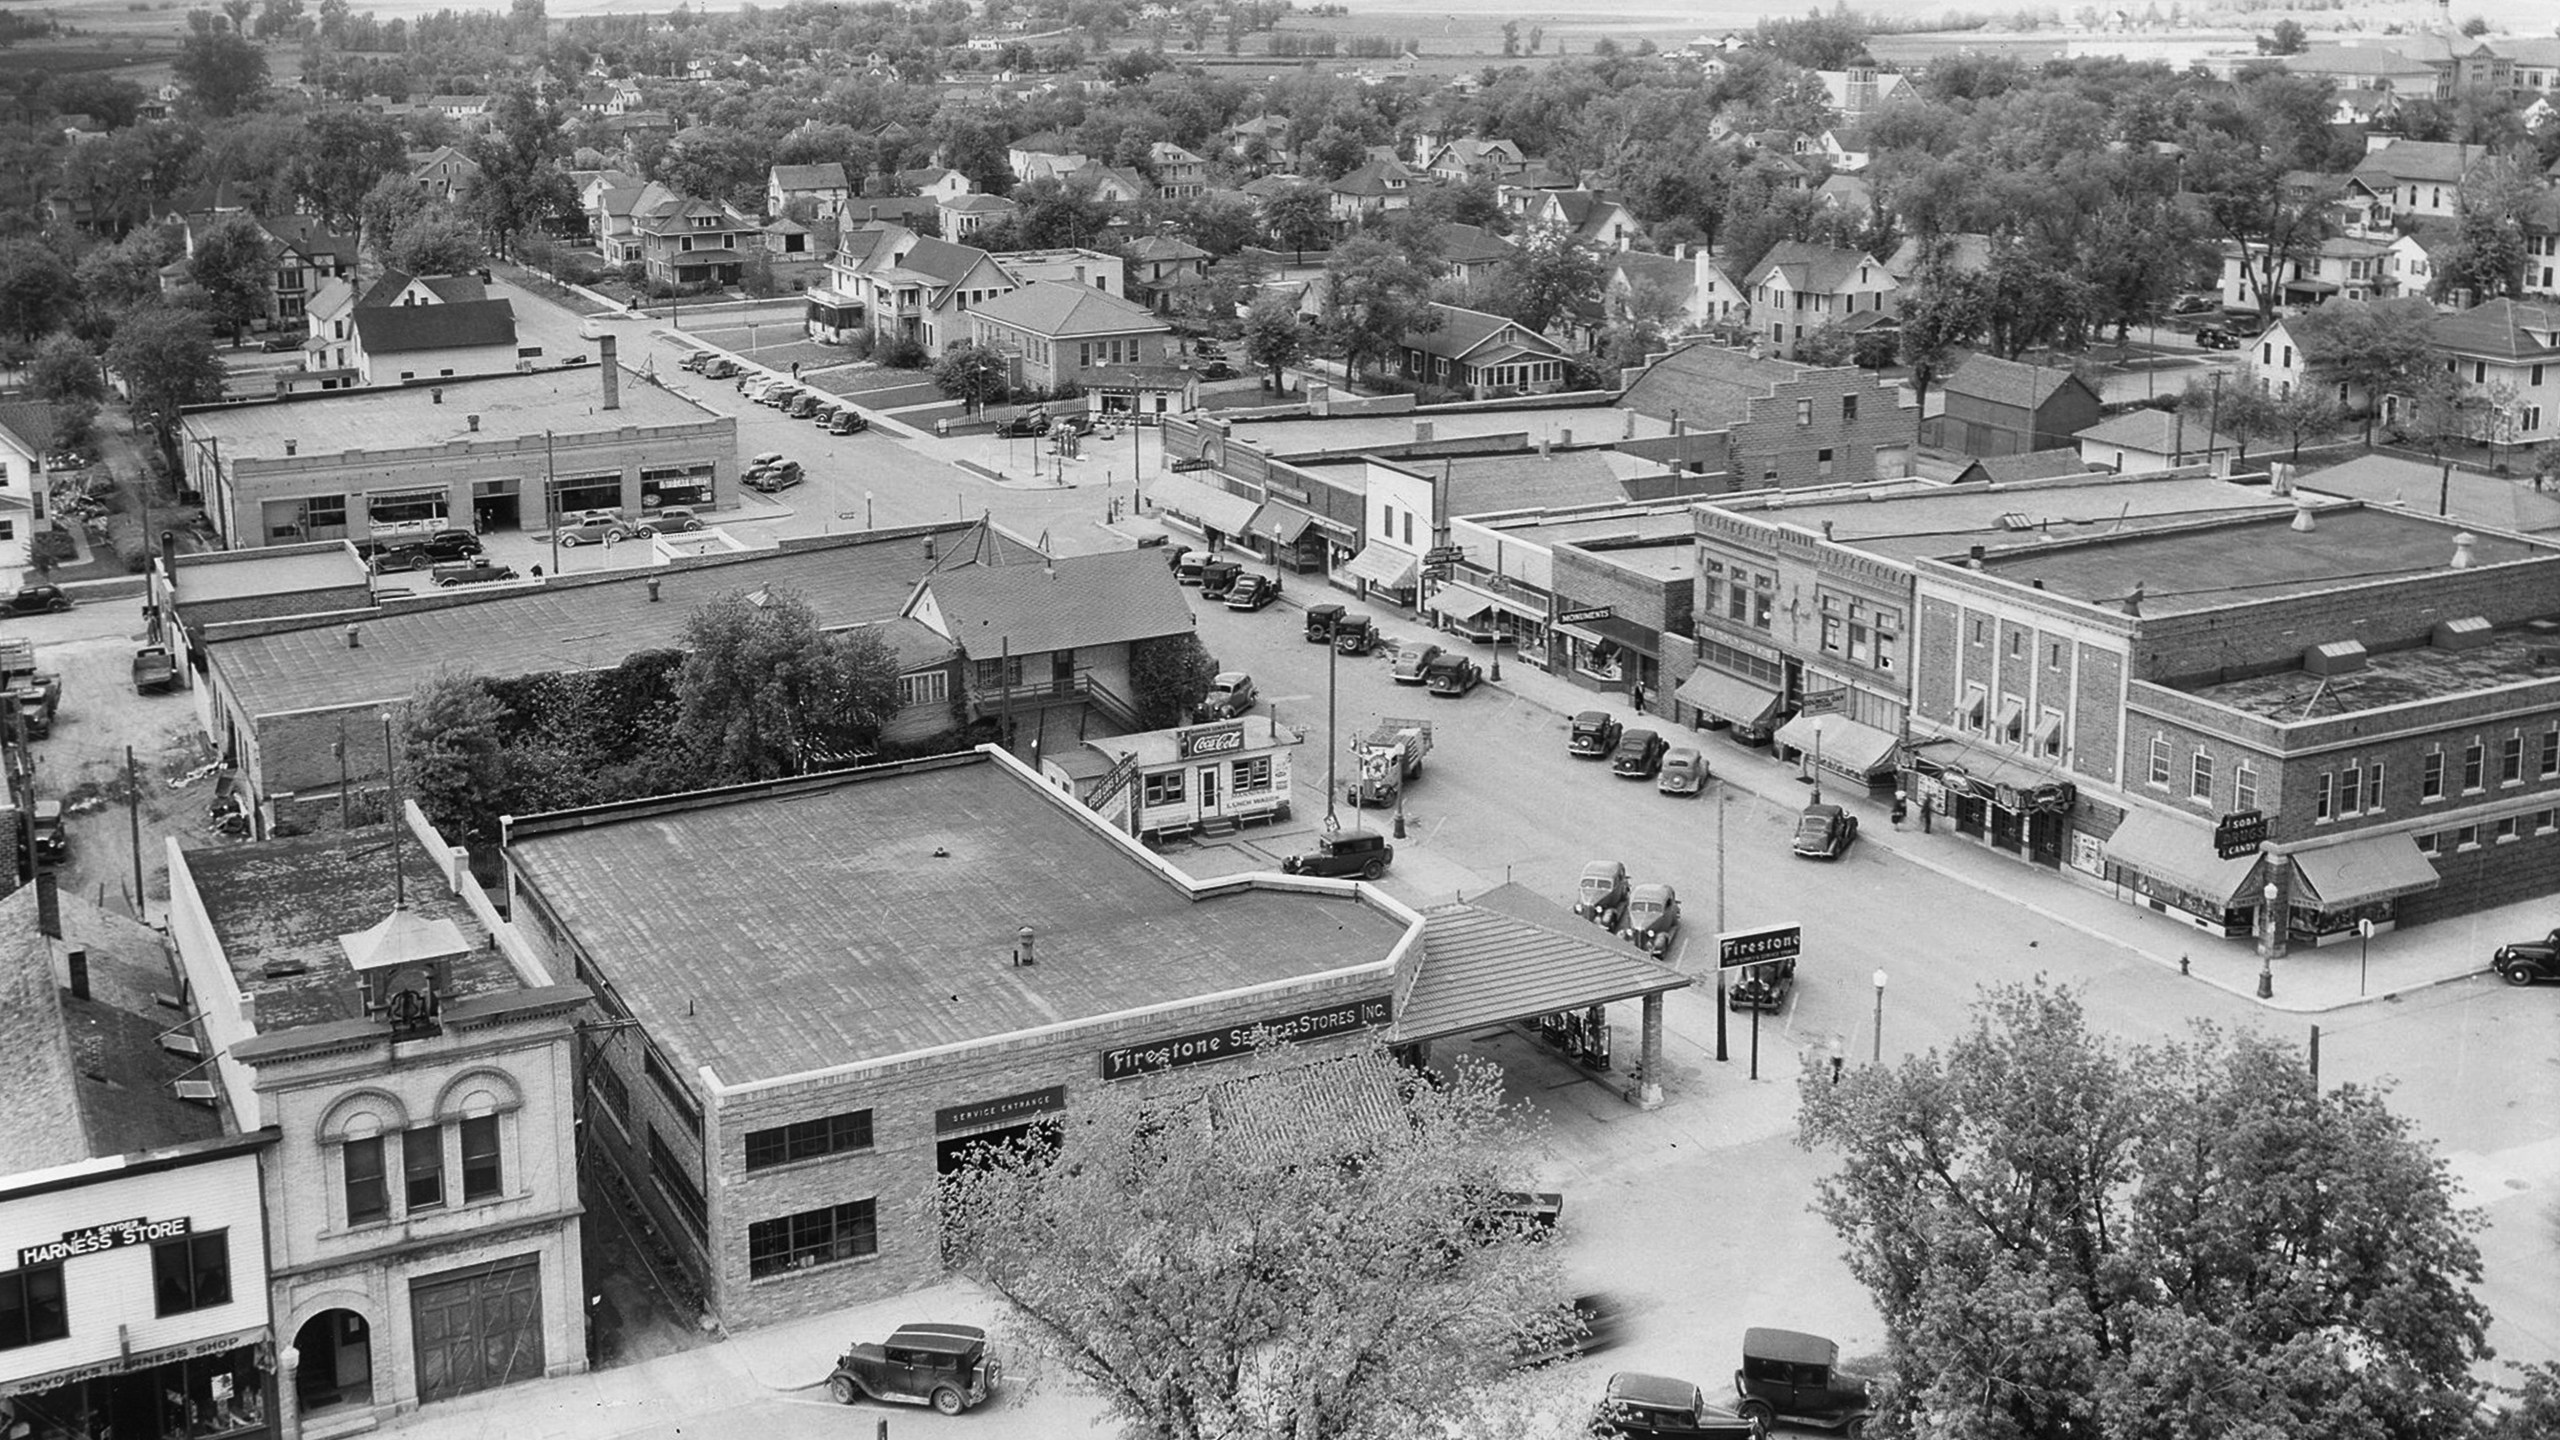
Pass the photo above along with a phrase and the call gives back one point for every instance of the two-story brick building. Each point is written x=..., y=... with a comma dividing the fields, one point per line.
x=2369, y=680
x=1777, y=423
x=1057, y=332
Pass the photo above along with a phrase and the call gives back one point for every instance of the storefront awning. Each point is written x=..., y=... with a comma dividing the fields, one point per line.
x=1384, y=566
x=1218, y=509
x=139, y=1360
x=1526, y=609
x=1282, y=522
x=1845, y=745
x=1460, y=605
x=2180, y=852
x=1728, y=697
x=1509, y=954
x=1970, y=768
x=2359, y=872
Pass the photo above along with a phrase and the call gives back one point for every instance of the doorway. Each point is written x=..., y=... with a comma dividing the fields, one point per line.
x=1208, y=791
x=336, y=1352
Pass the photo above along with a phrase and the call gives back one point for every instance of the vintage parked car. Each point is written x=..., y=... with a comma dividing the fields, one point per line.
x=1190, y=567
x=1823, y=832
x=1590, y=1324
x=39, y=600
x=1218, y=577
x=1252, y=591
x=1653, y=918
x=1355, y=635
x=1024, y=427
x=593, y=527
x=1217, y=370
x=2527, y=961
x=1684, y=772
x=672, y=520
x=441, y=548
x=1320, y=622
x=53, y=842
x=470, y=572
x=1789, y=1377
x=720, y=367
x=1451, y=676
x=945, y=1366
x=1639, y=754
x=1594, y=735
x=1601, y=895
x=1411, y=663
x=2214, y=337
x=848, y=421
x=780, y=476
x=1362, y=853
x=155, y=670
x=1649, y=1405
x=699, y=358
x=805, y=405
x=1230, y=695
x=1764, y=986
x=278, y=344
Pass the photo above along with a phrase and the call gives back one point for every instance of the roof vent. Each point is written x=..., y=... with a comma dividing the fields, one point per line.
x=438, y=393
x=652, y=583
x=473, y=421
x=2338, y=657
x=2468, y=633
x=355, y=637
x=290, y=446
x=2462, y=544
x=1022, y=951
x=2303, y=523
x=2016, y=520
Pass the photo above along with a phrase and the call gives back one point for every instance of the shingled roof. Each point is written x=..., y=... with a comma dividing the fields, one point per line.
x=2510, y=330
x=1066, y=603
x=2007, y=382
x=1809, y=268
x=1056, y=309
x=828, y=176
x=391, y=329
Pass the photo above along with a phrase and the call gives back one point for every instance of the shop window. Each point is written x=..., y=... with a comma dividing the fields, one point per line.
x=2431, y=775
x=813, y=1237
x=2200, y=777
x=1252, y=776
x=2244, y=785
x=2474, y=766
x=483, y=1172
x=1164, y=789
x=192, y=1273
x=31, y=1307
x=925, y=687
x=809, y=1139
x=2511, y=759
x=422, y=1168
x=368, y=1194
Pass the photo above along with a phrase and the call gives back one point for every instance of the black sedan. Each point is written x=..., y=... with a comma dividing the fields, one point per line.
x=39, y=600
x=1823, y=832
x=2527, y=961
x=1452, y=675
x=1639, y=755
x=1023, y=427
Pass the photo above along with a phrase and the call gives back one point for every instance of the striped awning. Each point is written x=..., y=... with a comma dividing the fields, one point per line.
x=1282, y=522
x=1218, y=509
x=1843, y=743
x=2359, y=872
x=1384, y=566
x=1728, y=697
x=2180, y=852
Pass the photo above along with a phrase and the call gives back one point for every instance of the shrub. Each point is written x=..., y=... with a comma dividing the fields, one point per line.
x=900, y=352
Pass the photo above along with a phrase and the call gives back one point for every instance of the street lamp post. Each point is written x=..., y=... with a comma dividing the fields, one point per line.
x=2267, y=952
x=866, y=509
x=2364, y=934
x=1879, y=1051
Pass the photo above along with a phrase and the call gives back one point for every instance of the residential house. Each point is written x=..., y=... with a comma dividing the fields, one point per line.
x=1380, y=187
x=1161, y=266
x=2342, y=265
x=937, y=183
x=1059, y=333
x=1042, y=155
x=1471, y=254
x=1471, y=158
x=1846, y=147
x=1110, y=184
x=1260, y=140
x=824, y=186
x=404, y=328
x=1481, y=355
x=1051, y=633
x=1180, y=175
x=2138, y=442
x=2409, y=266
x=1765, y=423
x=301, y=254
x=469, y=112
x=26, y=438
x=608, y=206
x=686, y=241
x=1843, y=191
x=2541, y=225
x=1690, y=279
x=1858, y=91
x=2419, y=177
x=2360, y=105
x=1799, y=287
x=443, y=173
x=1590, y=218
x=963, y=216
x=912, y=287
x=2509, y=352
x=2002, y=407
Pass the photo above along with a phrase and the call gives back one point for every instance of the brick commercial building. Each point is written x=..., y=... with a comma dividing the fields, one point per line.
x=869, y=975
x=486, y=454
x=2375, y=684
x=1781, y=424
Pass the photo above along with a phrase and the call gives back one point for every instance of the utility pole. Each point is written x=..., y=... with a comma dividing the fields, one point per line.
x=1332, y=735
x=133, y=820
x=1721, y=797
x=551, y=500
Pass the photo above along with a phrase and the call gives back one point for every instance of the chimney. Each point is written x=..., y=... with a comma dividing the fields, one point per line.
x=2133, y=602
x=77, y=957
x=2303, y=520
x=1565, y=438
x=928, y=547
x=1675, y=421
x=48, y=902
x=1826, y=529
x=1627, y=429
x=437, y=394
x=355, y=637
x=1421, y=432
x=652, y=583
x=2462, y=544
x=1546, y=449
x=291, y=446
x=472, y=422
x=611, y=372
x=1975, y=558
x=1022, y=948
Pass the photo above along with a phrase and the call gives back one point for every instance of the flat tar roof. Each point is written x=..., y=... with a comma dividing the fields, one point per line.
x=2389, y=677
x=1589, y=424
x=773, y=935
x=239, y=574
x=1905, y=524
x=2236, y=562
x=561, y=626
x=510, y=406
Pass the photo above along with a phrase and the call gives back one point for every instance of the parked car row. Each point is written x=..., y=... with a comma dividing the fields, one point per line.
x=1645, y=916
x=769, y=472
x=443, y=547
x=1639, y=754
x=1786, y=1377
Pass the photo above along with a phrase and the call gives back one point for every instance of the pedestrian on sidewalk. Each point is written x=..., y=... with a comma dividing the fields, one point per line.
x=1635, y=696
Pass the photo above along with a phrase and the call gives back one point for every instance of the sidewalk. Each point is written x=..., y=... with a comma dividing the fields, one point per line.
x=2306, y=981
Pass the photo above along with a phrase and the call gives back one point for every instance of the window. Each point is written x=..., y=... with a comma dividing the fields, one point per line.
x=610, y=1092
x=670, y=1174
x=2467, y=838
x=1888, y=637
x=813, y=1237
x=2474, y=758
x=2431, y=775
x=1804, y=412
x=2351, y=790
x=483, y=1177
x=2550, y=765
x=1252, y=776
x=2545, y=820
x=1162, y=789
x=925, y=687
x=2053, y=656
x=809, y=1139
x=2048, y=736
x=1387, y=522
x=2244, y=785
x=2511, y=759
x=1848, y=409
x=324, y=510
x=1002, y=673
x=31, y=1308
x=2325, y=807
x=2160, y=761
x=2430, y=843
x=2506, y=830
x=422, y=1168
x=1408, y=527
x=1822, y=464
x=368, y=1197
x=672, y=1090
x=2200, y=777
x=1981, y=632
x=193, y=1273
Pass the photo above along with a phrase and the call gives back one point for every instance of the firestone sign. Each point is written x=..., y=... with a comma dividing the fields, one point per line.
x=1237, y=1041
x=113, y=1235
x=1213, y=740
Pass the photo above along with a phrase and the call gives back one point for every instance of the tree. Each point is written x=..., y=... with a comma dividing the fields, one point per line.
x=2246, y=180
x=973, y=374
x=452, y=758
x=2304, y=412
x=1207, y=1282
x=166, y=360
x=1299, y=218
x=127, y=273
x=2032, y=302
x=763, y=693
x=1275, y=337
x=1941, y=311
x=1550, y=278
x=2536, y=1411
x=65, y=369
x=2288, y=39
x=387, y=209
x=435, y=242
x=223, y=72
x=2069, y=1236
x=36, y=289
x=232, y=265
x=2241, y=409
x=1168, y=676
x=347, y=152
x=2487, y=257
x=1374, y=296
x=2372, y=348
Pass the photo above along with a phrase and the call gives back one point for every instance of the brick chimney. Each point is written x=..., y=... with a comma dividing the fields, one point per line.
x=611, y=369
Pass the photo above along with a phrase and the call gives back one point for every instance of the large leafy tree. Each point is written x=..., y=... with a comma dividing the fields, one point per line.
x=2074, y=1238
x=165, y=357
x=1375, y=295
x=2372, y=348
x=1275, y=337
x=1184, y=1261
x=764, y=693
x=973, y=374
x=1299, y=218
x=453, y=760
x=233, y=266
x=520, y=184
x=1941, y=310
x=1550, y=278
x=1168, y=676
x=2247, y=162
x=223, y=72
x=348, y=153
x=435, y=242
x=36, y=289
x=126, y=273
